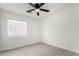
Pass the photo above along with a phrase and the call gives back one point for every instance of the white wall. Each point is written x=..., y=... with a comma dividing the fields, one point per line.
x=33, y=31
x=62, y=29
x=0, y=33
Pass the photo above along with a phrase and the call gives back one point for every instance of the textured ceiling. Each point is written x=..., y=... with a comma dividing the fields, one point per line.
x=20, y=8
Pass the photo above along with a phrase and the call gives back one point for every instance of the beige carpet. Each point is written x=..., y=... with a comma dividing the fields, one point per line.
x=39, y=49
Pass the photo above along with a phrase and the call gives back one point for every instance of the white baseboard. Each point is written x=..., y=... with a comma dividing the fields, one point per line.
x=20, y=46
x=46, y=42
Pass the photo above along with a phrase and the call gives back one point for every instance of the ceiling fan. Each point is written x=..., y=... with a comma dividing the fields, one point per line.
x=37, y=8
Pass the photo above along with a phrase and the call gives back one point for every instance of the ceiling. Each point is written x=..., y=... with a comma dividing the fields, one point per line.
x=20, y=8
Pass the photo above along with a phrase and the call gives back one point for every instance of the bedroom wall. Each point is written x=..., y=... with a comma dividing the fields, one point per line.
x=0, y=33
x=62, y=29
x=33, y=34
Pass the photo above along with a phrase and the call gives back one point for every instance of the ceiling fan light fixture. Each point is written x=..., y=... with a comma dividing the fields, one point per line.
x=37, y=10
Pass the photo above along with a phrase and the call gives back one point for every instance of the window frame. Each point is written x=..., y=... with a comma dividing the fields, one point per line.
x=18, y=35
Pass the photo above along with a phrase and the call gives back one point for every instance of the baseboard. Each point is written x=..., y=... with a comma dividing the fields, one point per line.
x=33, y=43
x=59, y=47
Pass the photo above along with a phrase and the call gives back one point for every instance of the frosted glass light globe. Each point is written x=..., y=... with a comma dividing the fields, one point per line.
x=37, y=10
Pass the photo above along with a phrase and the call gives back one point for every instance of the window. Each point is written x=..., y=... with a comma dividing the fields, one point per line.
x=17, y=28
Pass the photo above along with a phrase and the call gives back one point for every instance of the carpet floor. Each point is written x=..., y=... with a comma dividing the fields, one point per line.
x=39, y=49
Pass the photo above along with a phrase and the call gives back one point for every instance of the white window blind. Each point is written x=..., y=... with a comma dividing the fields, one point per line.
x=17, y=28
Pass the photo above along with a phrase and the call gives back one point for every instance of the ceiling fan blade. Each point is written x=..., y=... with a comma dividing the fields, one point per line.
x=31, y=5
x=41, y=4
x=45, y=10
x=38, y=13
x=30, y=10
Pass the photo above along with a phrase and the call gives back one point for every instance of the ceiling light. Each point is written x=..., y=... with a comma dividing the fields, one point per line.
x=36, y=10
